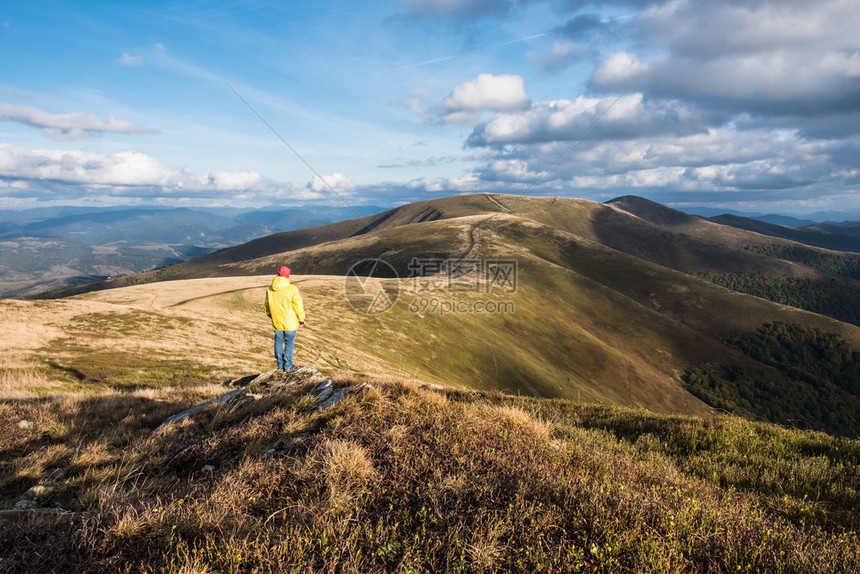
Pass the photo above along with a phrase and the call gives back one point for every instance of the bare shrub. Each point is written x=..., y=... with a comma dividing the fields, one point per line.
x=522, y=418
x=129, y=523
x=484, y=554
x=346, y=464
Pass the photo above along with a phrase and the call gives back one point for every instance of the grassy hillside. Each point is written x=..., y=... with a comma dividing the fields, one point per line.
x=586, y=323
x=399, y=479
x=610, y=306
x=822, y=235
x=751, y=259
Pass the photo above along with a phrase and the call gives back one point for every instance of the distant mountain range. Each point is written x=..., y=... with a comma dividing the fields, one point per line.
x=43, y=249
x=833, y=217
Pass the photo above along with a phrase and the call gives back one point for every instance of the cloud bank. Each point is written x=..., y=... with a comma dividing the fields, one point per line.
x=753, y=100
x=486, y=93
x=70, y=126
x=65, y=175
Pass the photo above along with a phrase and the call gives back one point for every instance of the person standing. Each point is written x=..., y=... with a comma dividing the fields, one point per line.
x=284, y=306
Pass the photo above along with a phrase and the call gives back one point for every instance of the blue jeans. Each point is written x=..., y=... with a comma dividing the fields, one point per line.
x=284, y=343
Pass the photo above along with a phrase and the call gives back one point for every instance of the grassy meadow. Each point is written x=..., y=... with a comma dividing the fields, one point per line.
x=402, y=479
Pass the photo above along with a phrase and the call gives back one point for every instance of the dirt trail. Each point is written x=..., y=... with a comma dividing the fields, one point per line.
x=474, y=227
x=495, y=201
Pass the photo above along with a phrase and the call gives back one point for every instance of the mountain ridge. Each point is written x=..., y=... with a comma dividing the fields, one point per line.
x=609, y=305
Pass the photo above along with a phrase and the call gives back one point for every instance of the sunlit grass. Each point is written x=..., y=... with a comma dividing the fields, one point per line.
x=398, y=478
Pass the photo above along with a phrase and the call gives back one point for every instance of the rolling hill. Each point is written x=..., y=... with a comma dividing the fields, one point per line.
x=839, y=238
x=613, y=303
x=568, y=416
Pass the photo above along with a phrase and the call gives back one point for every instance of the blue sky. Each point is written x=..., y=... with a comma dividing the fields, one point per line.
x=751, y=105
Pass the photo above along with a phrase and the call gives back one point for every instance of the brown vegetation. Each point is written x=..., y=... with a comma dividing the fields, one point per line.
x=400, y=479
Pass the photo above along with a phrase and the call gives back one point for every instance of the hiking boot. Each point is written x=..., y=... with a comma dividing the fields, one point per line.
x=292, y=369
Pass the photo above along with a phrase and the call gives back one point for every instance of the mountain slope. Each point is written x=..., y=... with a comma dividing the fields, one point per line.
x=674, y=240
x=608, y=306
x=814, y=235
x=781, y=270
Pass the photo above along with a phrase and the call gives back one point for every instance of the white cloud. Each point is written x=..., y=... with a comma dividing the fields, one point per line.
x=128, y=60
x=753, y=26
x=468, y=183
x=567, y=120
x=73, y=173
x=485, y=93
x=80, y=167
x=619, y=69
x=336, y=181
x=766, y=56
x=233, y=180
x=76, y=125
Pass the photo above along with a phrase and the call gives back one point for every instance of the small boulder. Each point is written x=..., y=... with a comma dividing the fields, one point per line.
x=334, y=398
x=324, y=391
x=38, y=492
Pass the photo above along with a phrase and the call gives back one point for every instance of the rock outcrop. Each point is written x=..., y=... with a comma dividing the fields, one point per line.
x=251, y=387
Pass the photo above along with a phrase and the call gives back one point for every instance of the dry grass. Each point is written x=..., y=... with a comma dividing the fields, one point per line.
x=346, y=464
x=132, y=339
x=169, y=334
x=25, y=327
x=394, y=479
x=518, y=416
x=17, y=384
x=129, y=523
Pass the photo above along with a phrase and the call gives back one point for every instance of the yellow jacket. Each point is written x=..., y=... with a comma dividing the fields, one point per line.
x=284, y=305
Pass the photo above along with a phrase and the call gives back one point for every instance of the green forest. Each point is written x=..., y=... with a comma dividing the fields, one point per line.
x=832, y=297
x=844, y=264
x=814, y=381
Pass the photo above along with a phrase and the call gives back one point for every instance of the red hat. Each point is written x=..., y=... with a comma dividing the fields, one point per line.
x=284, y=271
